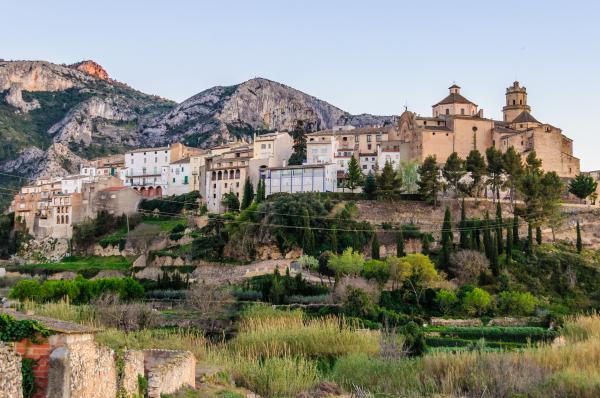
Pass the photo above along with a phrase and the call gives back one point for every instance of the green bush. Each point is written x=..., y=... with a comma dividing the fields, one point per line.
x=517, y=303
x=516, y=334
x=476, y=302
x=172, y=204
x=78, y=291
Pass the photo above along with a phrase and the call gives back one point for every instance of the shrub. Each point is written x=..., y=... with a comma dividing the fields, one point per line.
x=78, y=291
x=468, y=265
x=517, y=303
x=476, y=302
x=446, y=300
x=348, y=263
x=357, y=303
x=376, y=270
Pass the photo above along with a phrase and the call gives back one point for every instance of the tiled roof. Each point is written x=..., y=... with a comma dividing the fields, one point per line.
x=454, y=98
x=525, y=117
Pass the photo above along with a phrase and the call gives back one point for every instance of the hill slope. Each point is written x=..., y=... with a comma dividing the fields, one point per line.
x=220, y=114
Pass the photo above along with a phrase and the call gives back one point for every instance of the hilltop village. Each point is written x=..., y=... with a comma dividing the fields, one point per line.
x=51, y=206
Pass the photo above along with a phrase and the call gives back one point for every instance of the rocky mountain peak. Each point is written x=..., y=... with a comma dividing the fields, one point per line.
x=92, y=68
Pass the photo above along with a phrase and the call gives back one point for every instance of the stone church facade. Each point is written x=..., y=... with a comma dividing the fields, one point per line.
x=457, y=125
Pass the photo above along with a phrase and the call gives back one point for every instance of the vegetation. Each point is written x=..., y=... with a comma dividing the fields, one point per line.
x=78, y=291
x=86, y=266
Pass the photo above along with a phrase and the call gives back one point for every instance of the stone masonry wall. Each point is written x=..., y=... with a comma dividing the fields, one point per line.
x=10, y=372
x=133, y=366
x=83, y=369
x=167, y=371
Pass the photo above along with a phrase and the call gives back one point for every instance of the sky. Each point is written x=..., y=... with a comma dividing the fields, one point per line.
x=365, y=57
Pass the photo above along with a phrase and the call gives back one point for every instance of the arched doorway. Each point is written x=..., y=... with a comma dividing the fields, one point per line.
x=158, y=191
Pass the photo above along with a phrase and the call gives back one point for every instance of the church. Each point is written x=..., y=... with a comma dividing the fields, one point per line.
x=457, y=125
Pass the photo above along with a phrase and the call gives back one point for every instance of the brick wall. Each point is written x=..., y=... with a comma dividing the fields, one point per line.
x=41, y=354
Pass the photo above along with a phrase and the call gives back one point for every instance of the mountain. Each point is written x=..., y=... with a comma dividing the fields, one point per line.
x=52, y=117
x=220, y=114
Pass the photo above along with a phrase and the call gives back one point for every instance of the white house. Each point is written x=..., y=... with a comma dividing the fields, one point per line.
x=302, y=178
x=179, y=177
x=73, y=183
x=146, y=170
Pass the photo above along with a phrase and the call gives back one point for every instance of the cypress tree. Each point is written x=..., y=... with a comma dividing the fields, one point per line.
x=400, y=244
x=487, y=236
x=499, y=226
x=529, y=239
x=308, y=244
x=579, y=243
x=494, y=255
x=509, y=242
x=464, y=233
x=260, y=191
x=375, y=247
x=334, y=240
x=477, y=234
x=425, y=244
x=248, y=194
x=515, y=231
x=446, y=239
x=538, y=235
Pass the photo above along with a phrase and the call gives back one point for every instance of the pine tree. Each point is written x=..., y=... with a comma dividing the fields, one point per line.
x=308, y=241
x=579, y=243
x=464, y=233
x=515, y=231
x=389, y=179
x=495, y=169
x=454, y=170
x=582, y=186
x=370, y=186
x=447, y=238
x=299, y=147
x=499, y=226
x=354, y=174
x=513, y=167
x=400, y=244
x=475, y=165
x=429, y=182
x=509, y=242
x=375, y=247
x=248, y=194
x=538, y=235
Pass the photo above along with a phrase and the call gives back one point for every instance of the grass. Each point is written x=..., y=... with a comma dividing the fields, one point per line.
x=289, y=334
x=87, y=266
x=63, y=310
x=164, y=225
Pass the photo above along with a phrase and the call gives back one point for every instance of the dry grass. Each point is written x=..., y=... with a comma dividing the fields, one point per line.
x=289, y=334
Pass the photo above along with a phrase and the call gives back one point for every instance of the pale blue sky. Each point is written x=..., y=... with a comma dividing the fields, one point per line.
x=369, y=57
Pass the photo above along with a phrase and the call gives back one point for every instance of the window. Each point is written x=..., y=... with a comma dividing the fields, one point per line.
x=225, y=185
x=185, y=179
x=144, y=160
x=447, y=111
x=424, y=122
x=369, y=147
x=520, y=102
x=364, y=166
x=356, y=138
x=263, y=146
x=237, y=184
x=344, y=139
x=173, y=179
x=369, y=137
x=67, y=219
x=462, y=111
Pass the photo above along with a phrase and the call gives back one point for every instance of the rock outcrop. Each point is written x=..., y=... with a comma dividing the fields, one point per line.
x=220, y=114
x=91, y=68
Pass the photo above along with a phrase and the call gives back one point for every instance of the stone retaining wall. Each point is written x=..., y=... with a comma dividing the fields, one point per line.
x=167, y=371
x=133, y=366
x=10, y=372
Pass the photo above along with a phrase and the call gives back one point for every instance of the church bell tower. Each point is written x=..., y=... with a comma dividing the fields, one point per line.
x=516, y=102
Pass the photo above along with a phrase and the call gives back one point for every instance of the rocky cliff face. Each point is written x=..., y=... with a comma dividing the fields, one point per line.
x=220, y=114
x=91, y=68
x=52, y=116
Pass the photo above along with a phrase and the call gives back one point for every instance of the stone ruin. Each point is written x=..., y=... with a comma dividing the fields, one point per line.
x=70, y=364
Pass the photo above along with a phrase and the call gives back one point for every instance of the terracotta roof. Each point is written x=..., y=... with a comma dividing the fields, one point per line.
x=525, y=117
x=454, y=98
